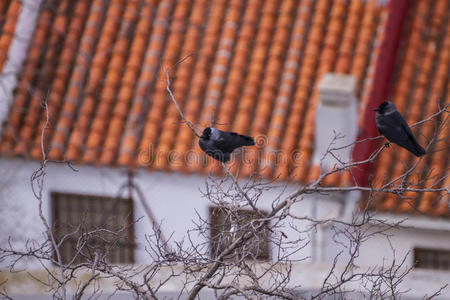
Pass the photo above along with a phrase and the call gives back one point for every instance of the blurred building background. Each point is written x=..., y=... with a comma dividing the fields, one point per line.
x=280, y=71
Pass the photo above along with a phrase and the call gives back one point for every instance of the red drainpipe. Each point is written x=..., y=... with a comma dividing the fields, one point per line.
x=380, y=87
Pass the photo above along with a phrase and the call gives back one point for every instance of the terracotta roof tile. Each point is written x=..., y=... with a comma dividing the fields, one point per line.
x=349, y=37
x=145, y=81
x=291, y=66
x=224, y=74
x=9, y=13
x=233, y=88
x=442, y=207
x=78, y=76
x=94, y=80
x=254, y=70
x=192, y=158
x=419, y=86
x=362, y=49
x=11, y=132
x=368, y=62
x=118, y=65
x=4, y=8
x=159, y=102
x=326, y=59
x=271, y=79
x=333, y=180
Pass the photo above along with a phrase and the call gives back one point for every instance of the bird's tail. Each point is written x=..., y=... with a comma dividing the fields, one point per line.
x=416, y=149
x=247, y=140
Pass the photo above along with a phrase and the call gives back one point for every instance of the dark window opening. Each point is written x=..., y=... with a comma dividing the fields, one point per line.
x=226, y=226
x=436, y=259
x=93, y=227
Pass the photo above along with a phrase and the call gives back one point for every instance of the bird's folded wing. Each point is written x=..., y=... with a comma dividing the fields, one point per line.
x=395, y=120
x=407, y=130
x=224, y=144
x=398, y=119
x=228, y=141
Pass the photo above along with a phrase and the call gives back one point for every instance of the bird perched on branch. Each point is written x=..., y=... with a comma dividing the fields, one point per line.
x=392, y=125
x=219, y=144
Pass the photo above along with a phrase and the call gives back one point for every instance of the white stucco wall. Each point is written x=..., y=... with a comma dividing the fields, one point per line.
x=336, y=121
x=174, y=200
x=404, y=240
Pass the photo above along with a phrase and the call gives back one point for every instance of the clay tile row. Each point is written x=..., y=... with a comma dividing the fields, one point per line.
x=254, y=69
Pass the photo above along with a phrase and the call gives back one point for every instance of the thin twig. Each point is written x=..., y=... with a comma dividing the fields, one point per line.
x=39, y=176
x=191, y=125
x=236, y=183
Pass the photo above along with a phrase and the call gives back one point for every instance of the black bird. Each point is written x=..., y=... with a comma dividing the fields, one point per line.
x=219, y=144
x=392, y=125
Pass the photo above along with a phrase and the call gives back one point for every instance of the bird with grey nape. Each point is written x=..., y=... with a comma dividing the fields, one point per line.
x=392, y=125
x=219, y=144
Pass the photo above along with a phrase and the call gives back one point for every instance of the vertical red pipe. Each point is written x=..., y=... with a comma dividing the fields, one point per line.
x=380, y=87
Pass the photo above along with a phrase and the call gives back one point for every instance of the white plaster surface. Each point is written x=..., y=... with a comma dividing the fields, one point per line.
x=335, y=121
x=175, y=198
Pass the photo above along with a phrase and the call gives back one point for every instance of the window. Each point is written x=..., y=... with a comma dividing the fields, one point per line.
x=223, y=230
x=436, y=259
x=103, y=225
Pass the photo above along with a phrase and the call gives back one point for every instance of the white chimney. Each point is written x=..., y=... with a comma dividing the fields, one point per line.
x=336, y=116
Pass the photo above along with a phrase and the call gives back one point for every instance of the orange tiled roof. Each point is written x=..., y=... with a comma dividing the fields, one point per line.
x=9, y=13
x=421, y=84
x=255, y=69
